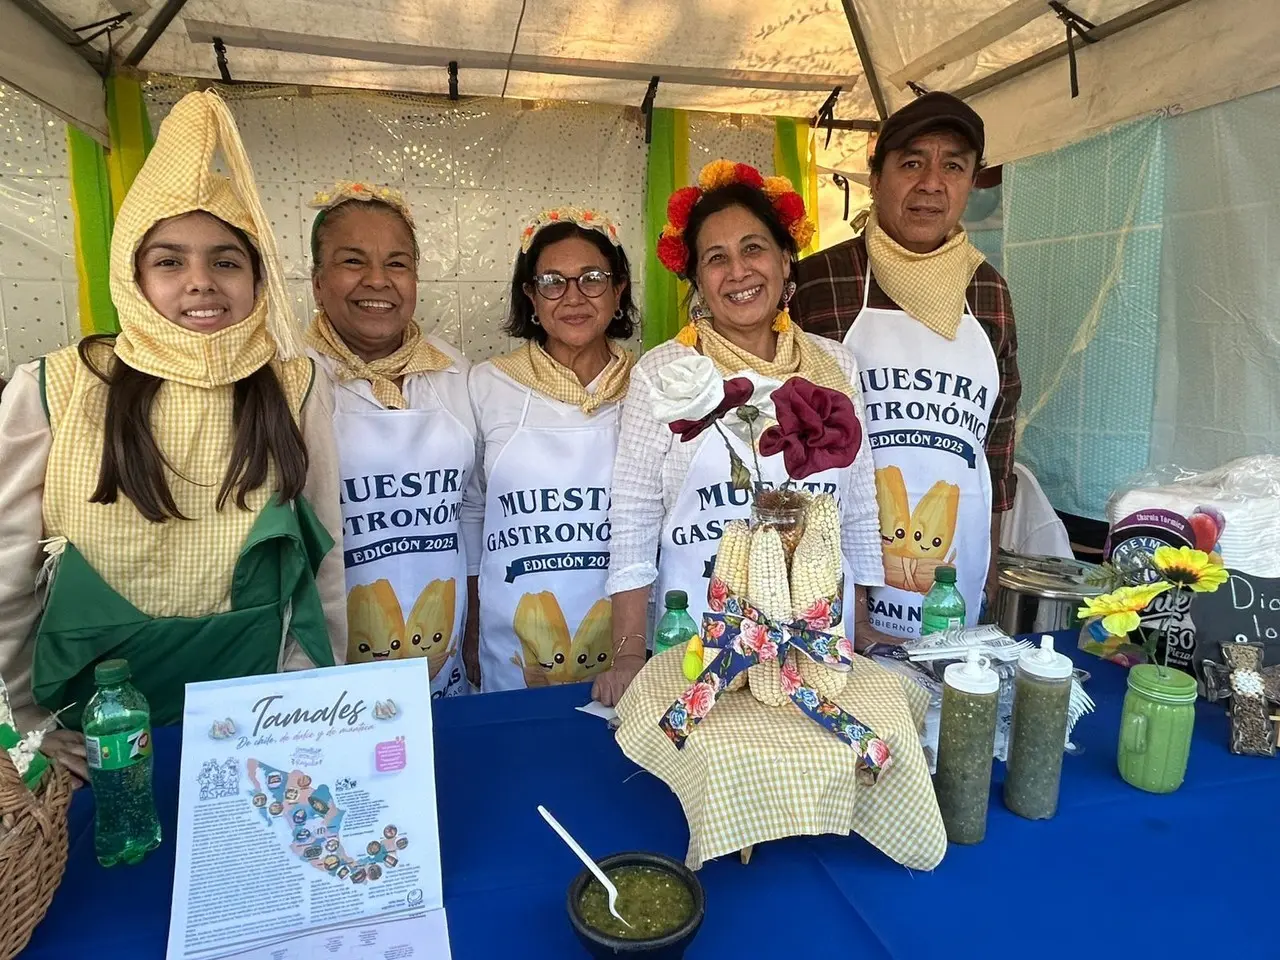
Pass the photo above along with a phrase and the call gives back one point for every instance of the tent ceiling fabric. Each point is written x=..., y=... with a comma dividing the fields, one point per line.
x=786, y=39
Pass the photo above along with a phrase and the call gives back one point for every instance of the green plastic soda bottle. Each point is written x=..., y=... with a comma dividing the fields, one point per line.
x=943, y=606
x=675, y=626
x=117, y=739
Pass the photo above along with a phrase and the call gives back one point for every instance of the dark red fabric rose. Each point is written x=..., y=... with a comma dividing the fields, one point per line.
x=817, y=429
x=736, y=392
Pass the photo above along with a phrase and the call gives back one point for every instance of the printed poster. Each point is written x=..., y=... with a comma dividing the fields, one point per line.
x=307, y=818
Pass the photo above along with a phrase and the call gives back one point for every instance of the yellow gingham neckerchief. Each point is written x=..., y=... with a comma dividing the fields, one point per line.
x=531, y=366
x=794, y=356
x=928, y=286
x=415, y=355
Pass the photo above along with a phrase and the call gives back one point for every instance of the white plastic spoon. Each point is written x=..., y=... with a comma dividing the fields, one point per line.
x=582, y=855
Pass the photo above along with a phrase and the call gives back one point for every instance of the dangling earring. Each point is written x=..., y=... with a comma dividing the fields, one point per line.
x=788, y=292
x=618, y=316
x=698, y=309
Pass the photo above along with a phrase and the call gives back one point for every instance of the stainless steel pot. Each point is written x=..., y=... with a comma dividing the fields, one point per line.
x=1041, y=594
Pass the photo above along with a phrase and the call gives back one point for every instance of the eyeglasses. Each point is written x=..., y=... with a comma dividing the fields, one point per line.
x=591, y=283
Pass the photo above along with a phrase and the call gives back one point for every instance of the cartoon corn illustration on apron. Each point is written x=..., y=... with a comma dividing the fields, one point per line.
x=403, y=473
x=929, y=403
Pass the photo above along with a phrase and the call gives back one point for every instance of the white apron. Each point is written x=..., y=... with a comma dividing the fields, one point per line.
x=545, y=617
x=929, y=403
x=704, y=507
x=403, y=473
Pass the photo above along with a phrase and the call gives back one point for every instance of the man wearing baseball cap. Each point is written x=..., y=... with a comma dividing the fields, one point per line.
x=931, y=326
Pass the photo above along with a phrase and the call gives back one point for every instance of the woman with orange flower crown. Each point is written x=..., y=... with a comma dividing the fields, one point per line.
x=734, y=238
x=406, y=437
x=548, y=415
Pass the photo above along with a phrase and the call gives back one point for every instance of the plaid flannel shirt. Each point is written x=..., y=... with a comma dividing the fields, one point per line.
x=829, y=298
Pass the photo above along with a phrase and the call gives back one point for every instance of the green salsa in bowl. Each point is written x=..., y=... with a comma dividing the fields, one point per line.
x=660, y=897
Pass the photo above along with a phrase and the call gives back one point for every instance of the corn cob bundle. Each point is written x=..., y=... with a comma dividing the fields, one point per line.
x=815, y=577
x=769, y=588
x=731, y=566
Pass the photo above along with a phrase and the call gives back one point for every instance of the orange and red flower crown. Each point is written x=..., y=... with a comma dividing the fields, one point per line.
x=673, y=253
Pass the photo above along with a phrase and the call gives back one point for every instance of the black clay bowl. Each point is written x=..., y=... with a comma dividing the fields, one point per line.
x=671, y=946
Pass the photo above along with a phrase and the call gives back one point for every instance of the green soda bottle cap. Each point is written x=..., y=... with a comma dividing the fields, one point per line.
x=677, y=600
x=944, y=574
x=110, y=672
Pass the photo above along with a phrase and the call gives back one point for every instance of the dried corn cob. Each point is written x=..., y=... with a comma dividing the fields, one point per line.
x=731, y=567
x=733, y=555
x=815, y=578
x=770, y=593
x=767, y=583
x=766, y=683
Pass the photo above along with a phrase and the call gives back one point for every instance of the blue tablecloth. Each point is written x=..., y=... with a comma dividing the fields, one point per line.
x=1118, y=872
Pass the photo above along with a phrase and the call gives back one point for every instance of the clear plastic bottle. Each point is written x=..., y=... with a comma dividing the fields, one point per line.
x=676, y=626
x=1042, y=694
x=943, y=606
x=117, y=737
x=966, y=741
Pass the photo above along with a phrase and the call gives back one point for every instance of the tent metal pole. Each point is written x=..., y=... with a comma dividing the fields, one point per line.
x=42, y=15
x=864, y=55
x=159, y=24
x=1102, y=31
x=870, y=126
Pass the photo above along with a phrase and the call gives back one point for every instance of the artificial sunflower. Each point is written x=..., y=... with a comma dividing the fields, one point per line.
x=1185, y=567
x=1119, y=609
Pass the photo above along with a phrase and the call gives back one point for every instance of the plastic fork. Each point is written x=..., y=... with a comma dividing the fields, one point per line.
x=591, y=864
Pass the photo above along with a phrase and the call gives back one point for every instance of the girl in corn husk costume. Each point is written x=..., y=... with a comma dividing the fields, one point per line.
x=170, y=471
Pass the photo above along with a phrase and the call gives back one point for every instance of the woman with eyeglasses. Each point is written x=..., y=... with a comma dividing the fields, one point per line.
x=548, y=417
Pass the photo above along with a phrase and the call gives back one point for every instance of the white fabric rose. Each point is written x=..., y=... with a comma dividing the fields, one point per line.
x=687, y=389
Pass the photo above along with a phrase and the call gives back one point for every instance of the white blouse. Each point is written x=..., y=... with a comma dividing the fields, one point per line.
x=497, y=403
x=652, y=463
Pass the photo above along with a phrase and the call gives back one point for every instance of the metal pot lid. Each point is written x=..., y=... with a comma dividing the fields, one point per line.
x=1051, y=578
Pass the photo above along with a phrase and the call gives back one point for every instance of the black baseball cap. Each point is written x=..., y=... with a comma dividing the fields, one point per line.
x=934, y=111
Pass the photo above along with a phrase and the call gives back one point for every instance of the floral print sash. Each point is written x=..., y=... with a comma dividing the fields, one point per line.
x=744, y=637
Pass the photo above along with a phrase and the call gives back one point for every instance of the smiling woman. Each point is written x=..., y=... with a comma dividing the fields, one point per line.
x=548, y=416
x=734, y=238
x=405, y=433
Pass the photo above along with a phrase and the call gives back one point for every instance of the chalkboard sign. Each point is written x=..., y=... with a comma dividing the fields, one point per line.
x=1244, y=608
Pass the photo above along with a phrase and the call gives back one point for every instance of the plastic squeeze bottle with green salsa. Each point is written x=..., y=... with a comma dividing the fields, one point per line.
x=1041, y=696
x=966, y=742
x=943, y=606
x=676, y=626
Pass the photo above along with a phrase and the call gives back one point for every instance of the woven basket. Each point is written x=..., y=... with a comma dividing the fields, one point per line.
x=33, y=850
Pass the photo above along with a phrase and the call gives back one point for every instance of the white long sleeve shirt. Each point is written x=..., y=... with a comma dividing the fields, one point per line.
x=652, y=464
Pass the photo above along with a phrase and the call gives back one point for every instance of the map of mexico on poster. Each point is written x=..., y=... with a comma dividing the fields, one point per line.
x=307, y=818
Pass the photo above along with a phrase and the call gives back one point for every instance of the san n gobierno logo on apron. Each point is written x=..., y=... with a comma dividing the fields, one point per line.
x=403, y=473
x=929, y=402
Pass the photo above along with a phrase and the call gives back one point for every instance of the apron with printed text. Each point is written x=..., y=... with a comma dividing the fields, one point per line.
x=545, y=616
x=929, y=403
x=706, y=504
x=403, y=473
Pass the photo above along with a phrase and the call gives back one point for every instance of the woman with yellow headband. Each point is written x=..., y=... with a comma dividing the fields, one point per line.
x=170, y=471
x=405, y=435
x=734, y=238
x=548, y=415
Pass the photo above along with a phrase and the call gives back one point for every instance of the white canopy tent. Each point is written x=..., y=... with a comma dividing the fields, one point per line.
x=773, y=57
